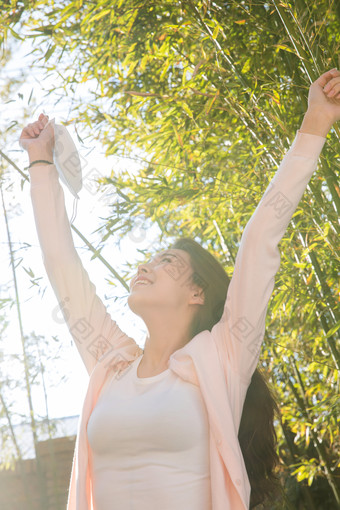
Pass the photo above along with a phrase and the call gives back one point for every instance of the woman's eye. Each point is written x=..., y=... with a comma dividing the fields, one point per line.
x=167, y=258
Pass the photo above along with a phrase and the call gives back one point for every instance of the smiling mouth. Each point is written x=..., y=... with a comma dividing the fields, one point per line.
x=142, y=282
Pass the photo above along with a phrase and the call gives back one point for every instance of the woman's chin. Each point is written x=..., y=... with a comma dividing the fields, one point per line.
x=135, y=303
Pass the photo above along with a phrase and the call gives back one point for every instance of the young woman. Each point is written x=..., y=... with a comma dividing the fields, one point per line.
x=187, y=422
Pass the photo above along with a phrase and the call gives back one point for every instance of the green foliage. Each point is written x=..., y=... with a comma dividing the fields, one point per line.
x=211, y=95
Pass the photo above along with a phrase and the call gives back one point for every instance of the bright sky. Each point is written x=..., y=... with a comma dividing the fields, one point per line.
x=67, y=378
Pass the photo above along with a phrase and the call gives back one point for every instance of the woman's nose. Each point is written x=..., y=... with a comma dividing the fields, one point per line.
x=142, y=268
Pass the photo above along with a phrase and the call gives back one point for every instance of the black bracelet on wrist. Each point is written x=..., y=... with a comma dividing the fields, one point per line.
x=38, y=161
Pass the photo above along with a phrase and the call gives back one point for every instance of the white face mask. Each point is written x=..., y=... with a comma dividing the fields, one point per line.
x=66, y=159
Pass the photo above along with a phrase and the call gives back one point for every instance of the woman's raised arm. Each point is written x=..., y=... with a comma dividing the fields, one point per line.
x=239, y=333
x=94, y=332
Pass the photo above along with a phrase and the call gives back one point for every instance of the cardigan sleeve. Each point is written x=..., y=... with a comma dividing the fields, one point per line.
x=240, y=332
x=92, y=328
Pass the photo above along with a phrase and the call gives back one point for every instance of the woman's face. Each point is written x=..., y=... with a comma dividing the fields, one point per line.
x=163, y=282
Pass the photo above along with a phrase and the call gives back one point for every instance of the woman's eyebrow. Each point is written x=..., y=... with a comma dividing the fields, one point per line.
x=160, y=255
x=168, y=253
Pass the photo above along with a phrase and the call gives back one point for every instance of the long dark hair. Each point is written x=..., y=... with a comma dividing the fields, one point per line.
x=256, y=434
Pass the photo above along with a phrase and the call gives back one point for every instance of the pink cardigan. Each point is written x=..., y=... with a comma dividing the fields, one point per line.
x=221, y=362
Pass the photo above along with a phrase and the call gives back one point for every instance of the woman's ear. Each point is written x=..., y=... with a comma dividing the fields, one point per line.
x=197, y=297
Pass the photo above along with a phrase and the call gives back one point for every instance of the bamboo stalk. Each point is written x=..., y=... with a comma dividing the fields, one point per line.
x=40, y=471
x=300, y=50
x=304, y=405
x=19, y=459
x=294, y=453
x=82, y=237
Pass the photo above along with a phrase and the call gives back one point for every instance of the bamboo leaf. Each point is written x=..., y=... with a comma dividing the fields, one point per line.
x=215, y=32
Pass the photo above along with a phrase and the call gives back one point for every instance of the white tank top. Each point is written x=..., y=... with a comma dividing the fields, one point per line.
x=149, y=440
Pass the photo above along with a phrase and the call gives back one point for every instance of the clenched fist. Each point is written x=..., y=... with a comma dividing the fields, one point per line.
x=37, y=139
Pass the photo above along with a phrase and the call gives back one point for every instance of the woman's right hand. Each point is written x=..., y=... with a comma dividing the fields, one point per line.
x=37, y=138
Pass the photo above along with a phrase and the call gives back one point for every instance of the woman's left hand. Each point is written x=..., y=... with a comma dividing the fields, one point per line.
x=323, y=104
x=324, y=95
